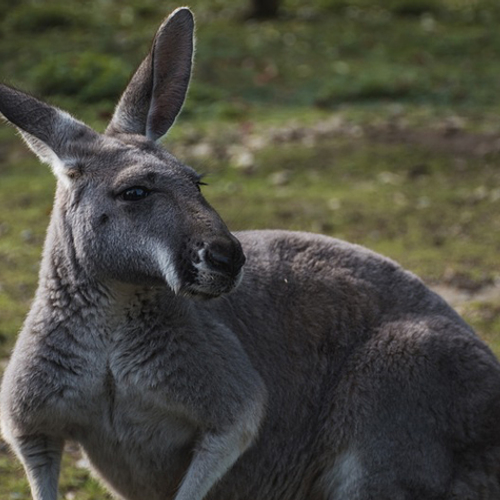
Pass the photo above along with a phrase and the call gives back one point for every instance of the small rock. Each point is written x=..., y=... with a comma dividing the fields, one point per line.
x=27, y=236
x=202, y=150
x=281, y=178
x=83, y=463
x=389, y=178
x=452, y=125
x=428, y=23
x=495, y=194
x=334, y=204
x=423, y=202
x=244, y=160
x=480, y=193
x=257, y=142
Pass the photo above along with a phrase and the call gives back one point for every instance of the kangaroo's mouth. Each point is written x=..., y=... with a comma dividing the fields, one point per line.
x=206, y=284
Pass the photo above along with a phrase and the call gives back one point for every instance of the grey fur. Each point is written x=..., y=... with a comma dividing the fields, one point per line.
x=329, y=373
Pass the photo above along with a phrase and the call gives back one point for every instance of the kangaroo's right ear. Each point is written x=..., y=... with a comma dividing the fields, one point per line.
x=156, y=92
x=54, y=135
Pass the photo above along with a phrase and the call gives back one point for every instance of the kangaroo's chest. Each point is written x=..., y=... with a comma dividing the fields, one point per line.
x=130, y=384
x=139, y=401
x=129, y=423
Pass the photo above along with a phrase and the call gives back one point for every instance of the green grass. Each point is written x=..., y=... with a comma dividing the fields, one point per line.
x=258, y=91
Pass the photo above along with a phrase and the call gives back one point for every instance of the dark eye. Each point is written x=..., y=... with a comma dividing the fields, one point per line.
x=135, y=193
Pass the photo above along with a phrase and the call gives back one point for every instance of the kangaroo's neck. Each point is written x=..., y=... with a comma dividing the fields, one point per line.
x=68, y=296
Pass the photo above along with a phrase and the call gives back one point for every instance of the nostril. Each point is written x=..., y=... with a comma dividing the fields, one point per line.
x=217, y=259
x=225, y=257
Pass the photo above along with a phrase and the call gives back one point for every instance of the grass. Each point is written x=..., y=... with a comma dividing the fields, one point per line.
x=376, y=124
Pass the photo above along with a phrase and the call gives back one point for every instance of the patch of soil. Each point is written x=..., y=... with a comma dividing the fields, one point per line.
x=444, y=138
x=447, y=135
x=460, y=296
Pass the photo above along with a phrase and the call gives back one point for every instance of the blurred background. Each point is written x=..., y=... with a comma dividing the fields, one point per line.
x=374, y=122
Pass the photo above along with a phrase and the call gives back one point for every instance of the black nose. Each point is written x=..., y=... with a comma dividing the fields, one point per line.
x=225, y=256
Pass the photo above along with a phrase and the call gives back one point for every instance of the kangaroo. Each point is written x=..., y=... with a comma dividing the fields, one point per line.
x=323, y=371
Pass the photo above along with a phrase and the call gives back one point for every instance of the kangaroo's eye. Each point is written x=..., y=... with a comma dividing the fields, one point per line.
x=135, y=193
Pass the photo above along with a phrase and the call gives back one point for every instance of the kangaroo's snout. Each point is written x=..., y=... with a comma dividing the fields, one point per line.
x=225, y=256
x=214, y=269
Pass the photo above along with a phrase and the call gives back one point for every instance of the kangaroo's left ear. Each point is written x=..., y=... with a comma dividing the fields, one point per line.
x=156, y=92
x=54, y=135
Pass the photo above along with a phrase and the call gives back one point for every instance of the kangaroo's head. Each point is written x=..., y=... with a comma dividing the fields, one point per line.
x=129, y=210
